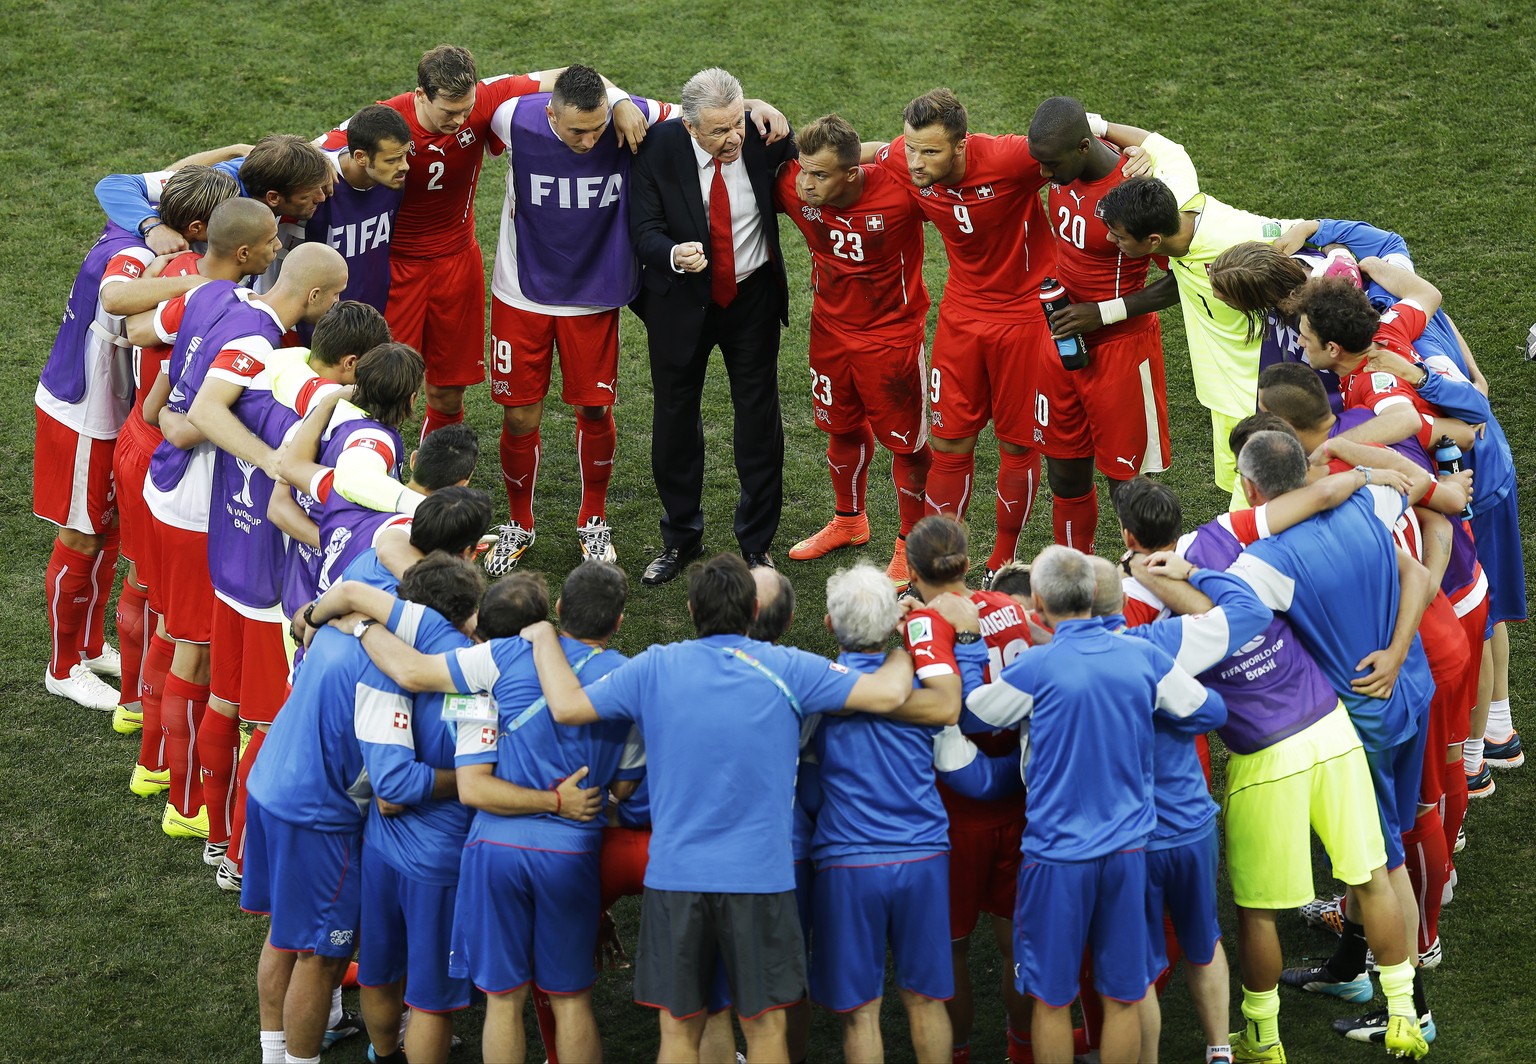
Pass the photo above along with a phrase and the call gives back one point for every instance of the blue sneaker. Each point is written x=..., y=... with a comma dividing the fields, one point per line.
x=1320, y=980
x=351, y=1023
x=1480, y=783
x=1372, y=1027
x=1504, y=755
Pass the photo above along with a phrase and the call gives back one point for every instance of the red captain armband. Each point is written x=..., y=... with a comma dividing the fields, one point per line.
x=1430, y=494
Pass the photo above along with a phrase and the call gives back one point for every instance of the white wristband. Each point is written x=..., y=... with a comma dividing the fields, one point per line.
x=1111, y=311
x=616, y=96
x=1096, y=124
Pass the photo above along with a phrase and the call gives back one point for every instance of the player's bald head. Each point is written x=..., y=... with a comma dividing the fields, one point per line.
x=314, y=265
x=1059, y=122
x=238, y=223
x=1108, y=596
x=775, y=604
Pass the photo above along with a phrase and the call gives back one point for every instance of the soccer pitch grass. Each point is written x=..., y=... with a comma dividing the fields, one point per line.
x=117, y=944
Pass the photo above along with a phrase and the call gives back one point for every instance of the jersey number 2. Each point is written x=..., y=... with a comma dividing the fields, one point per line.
x=435, y=174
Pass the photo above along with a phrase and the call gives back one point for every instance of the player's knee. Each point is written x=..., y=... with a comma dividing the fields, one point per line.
x=593, y=413
x=521, y=420
x=82, y=542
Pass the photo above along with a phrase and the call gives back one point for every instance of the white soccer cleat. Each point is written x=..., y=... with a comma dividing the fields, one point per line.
x=512, y=541
x=84, y=687
x=597, y=541
x=108, y=663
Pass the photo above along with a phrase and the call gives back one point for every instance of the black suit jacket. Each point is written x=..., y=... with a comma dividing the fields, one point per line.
x=666, y=207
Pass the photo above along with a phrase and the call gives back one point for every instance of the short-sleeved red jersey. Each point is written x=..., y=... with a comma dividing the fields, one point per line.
x=1376, y=390
x=995, y=231
x=866, y=259
x=437, y=215
x=1091, y=266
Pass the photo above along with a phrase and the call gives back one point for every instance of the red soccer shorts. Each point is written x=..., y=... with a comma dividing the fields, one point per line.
x=986, y=370
x=522, y=350
x=856, y=381
x=181, y=575
x=248, y=663
x=438, y=307
x=983, y=873
x=1114, y=409
x=1473, y=624
x=130, y=464
x=72, y=478
x=622, y=864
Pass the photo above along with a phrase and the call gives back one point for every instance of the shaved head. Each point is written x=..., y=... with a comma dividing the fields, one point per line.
x=313, y=275
x=1108, y=595
x=238, y=223
x=1059, y=122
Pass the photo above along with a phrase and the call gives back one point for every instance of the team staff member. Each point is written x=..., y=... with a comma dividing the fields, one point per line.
x=703, y=224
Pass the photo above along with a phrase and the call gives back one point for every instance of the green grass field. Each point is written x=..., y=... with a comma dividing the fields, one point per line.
x=117, y=946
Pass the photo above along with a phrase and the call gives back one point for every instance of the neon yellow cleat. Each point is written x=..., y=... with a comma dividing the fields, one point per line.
x=1405, y=1039
x=127, y=720
x=147, y=783
x=1246, y=1051
x=179, y=827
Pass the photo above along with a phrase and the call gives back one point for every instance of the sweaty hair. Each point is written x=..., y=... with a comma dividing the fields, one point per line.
x=348, y=328
x=1253, y=277
x=388, y=379
x=721, y=595
x=938, y=107
x=373, y=125
x=237, y=223
x=512, y=604
x=863, y=607
x=1141, y=206
x=1243, y=431
x=712, y=88
x=1108, y=592
x=1063, y=579
x=1060, y=122
x=592, y=600
x=451, y=519
x=445, y=583
x=1274, y=461
x=192, y=193
x=1337, y=311
x=285, y=164
x=446, y=71
x=830, y=133
x=936, y=550
x=446, y=457
x=1294, y=392
x=1012, y=579
x=773, y=616
x=1150, y=511
x=580, y=87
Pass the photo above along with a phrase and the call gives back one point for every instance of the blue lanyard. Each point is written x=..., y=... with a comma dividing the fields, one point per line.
x=773, y=677
x=538, y=704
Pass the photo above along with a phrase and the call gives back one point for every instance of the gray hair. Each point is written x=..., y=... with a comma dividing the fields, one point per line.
x=1108, y=592
x=1064, y=580
x=710, y=88
x=1275, y=462
x=863, y=607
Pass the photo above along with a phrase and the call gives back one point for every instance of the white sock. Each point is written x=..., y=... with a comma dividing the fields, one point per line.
x=336, y=1004
x=1223, y=1051
x=1500, y=725
x=274, y=1047
x=291, y=1059
x=1472, y=756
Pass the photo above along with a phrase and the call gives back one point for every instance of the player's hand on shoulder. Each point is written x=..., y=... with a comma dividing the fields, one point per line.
x=1075, y=318
x=959, y=610
x=536, y=631
x=771, y=124
x=1161, y=563
x=629, y=124
x=1385, y=361
x=577, y=802
x=163, y=240
x=1294, y=238
x=1137, y=162
x=1391, y=478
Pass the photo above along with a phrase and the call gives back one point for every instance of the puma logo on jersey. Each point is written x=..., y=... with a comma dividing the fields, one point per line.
x=437, y=148
x=845, y=221
x=1127, y=461
x=924, y=652
x=904, y=437
x=605, y=386
x=1075, y=197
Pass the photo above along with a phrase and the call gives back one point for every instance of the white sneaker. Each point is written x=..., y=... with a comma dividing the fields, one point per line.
x=83, y=686
x=227, y=877
x=512, y=540
x=108, y=663
x=597, y=541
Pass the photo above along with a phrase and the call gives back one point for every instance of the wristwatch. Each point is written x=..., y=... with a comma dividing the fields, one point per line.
x=363, y=625
x=1422, y=380
x=967, y=638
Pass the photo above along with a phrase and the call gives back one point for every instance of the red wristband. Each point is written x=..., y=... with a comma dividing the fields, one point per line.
x=1430, y=494
x=558, y=801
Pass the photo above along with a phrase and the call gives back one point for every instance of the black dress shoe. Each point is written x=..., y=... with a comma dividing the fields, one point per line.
x=669, y=564
x=758, y=559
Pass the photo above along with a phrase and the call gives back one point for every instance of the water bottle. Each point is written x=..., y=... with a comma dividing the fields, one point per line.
x=1053, y=297
x=1448, y=460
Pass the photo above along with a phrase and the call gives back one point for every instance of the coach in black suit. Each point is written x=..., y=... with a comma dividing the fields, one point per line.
x=712, y=276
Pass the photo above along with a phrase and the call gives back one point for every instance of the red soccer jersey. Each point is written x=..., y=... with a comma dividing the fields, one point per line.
x=995, y=231
x=437, y=215
x=147, y=359
x=1091, y=266
x=1377, y=391
x=866, y=259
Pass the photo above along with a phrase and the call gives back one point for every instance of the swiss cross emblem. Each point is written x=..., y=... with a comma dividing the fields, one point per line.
x=874, y=222
x=487, y=736
x=985, y=192
x=243, y=364
x=466, y=137
x=1098, y=209
x=402, y=720
x=372, y=445
x=132, y=269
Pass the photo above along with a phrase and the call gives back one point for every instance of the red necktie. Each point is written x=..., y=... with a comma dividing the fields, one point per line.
x=722, y=250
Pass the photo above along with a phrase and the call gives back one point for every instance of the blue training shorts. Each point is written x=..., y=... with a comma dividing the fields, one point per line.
x=1063, y=909
x=406, y=934
x=1496, y=533
x=1182, y=879
x=861, y=907
x=309, y=881
x=1395, y=775
x=525, y=915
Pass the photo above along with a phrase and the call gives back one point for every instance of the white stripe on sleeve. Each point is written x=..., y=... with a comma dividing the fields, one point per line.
x=383, y=718
x=1274, y=588
x=1179, y=694
x=1000, y=704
